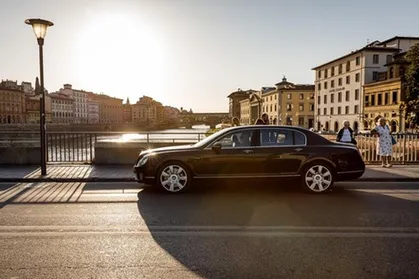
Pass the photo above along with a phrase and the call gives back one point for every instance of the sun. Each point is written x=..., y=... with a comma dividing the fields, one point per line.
x=119, y=50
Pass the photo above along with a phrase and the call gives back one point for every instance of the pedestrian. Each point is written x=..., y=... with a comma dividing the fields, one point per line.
x=259, y=122
x=265, y=119
x=385, y=142
x=235, y=121
x=346, y=134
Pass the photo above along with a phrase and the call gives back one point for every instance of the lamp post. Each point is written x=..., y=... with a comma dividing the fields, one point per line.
x=40, y=29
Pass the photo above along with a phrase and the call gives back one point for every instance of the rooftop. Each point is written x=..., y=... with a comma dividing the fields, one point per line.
x=374, y=46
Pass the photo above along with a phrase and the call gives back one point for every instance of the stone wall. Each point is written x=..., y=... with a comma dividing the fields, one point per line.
x=123, y=152
x=20, y=153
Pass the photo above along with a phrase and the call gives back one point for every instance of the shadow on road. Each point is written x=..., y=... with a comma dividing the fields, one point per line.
x=246, y=205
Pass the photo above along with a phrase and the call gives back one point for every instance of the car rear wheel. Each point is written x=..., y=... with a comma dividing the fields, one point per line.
x=174, y=177
x=318, y=178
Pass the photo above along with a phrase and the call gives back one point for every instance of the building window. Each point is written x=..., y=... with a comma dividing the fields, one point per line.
x=386, y=98
x=389, y=58
x=332, y=71
x=357, y=77
x=332, y=84
x=318, y=111
x=395, y=97
x=289, y=96
x=356, y=94
x=391, y=74
x=325, y=73
x=375, y=59
x=319, y=86
x=375, y=76
x=324, y=111
x=301, y=96
x=340, y=97
x=339, y=110
x=372, y=100
x=319, y=74
x=340, y=82
x=301, y=107
x=340, y=69
x=380, y=99
x=356, y=109
x=358, y=61
x=325, y=85
x=347, y=110
x=325, y=99
x=318, y=100
x=347, y=96
x=311, y=106
x=348, y=66
x=332, y=98
x=348, y=79
x=300, y=121
x=331, y=111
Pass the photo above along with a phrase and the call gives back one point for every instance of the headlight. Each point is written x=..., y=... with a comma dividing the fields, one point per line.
x=142, y=161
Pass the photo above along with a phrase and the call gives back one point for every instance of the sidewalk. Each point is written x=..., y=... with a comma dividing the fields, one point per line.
x=123, y=173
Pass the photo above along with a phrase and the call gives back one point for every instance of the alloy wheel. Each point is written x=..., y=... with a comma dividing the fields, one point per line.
x=318, y=178
x=173, y=178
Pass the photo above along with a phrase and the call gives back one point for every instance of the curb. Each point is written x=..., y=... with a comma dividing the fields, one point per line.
x=131, y=179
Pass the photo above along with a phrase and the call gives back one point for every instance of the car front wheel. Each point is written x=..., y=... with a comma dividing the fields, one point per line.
x=318, y=178
x=174, y=177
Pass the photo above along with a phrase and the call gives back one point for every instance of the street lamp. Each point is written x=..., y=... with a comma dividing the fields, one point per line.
x=40, y=29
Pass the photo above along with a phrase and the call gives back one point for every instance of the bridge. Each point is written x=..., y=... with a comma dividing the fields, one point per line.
x=189, y=119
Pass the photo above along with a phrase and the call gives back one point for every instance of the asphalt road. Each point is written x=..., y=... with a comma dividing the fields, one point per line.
x=100, y=230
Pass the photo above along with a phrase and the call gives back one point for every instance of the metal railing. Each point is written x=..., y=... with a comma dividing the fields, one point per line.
x=80, y=146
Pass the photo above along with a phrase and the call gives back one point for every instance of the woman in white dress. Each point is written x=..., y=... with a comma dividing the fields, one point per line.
x=384, y=142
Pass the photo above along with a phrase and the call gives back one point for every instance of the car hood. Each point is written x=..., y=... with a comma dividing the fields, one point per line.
x=168, y=149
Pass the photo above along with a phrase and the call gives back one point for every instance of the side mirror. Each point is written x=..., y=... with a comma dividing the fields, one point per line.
x=216, y=147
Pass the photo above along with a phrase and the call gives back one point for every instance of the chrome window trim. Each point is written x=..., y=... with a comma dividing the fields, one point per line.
x=209, y=146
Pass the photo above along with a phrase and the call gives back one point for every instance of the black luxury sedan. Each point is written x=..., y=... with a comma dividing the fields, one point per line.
x=260, y=151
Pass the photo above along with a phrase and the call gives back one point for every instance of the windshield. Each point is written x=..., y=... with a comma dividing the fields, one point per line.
x=210, y=138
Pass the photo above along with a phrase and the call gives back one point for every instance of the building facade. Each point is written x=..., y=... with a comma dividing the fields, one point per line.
x=33, y=109
x=234, y=101
x=339, y=84
x=295, y=104
x=12, y=105
x=93, y=112
x=385, y=98
x=269, y=97
x=245, y=111
x=80, y=105
x=127, y=112
x=146, y=111
x=62, y=108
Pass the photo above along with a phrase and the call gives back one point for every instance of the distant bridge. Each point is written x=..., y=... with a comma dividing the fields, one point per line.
x=207, y=118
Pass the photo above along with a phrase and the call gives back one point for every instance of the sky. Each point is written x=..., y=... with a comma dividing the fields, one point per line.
x=190, y=53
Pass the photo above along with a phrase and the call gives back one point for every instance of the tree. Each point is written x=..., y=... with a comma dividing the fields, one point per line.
x=411, y=83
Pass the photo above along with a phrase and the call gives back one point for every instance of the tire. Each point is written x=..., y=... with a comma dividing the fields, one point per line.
x=318, y=178
x=173, y=177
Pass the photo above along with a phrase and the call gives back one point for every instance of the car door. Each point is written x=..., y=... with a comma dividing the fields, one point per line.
x=281, y=151
x=234, y=159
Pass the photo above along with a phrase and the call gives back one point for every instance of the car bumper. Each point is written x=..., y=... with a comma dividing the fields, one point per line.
x=141, y=175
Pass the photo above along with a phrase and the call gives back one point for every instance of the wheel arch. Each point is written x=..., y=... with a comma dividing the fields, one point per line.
x=314, y=160
x=174, y=161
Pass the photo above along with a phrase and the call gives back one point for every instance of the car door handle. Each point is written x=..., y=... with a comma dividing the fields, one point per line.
x=247, y=151
x=298, y=149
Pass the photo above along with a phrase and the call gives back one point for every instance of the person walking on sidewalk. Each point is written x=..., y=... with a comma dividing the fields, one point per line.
x=384, y=142
x=346, y=134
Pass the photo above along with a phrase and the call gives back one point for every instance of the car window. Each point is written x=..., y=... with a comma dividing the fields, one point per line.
x=299, y=138
x=237, y=139
x=281, y=137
